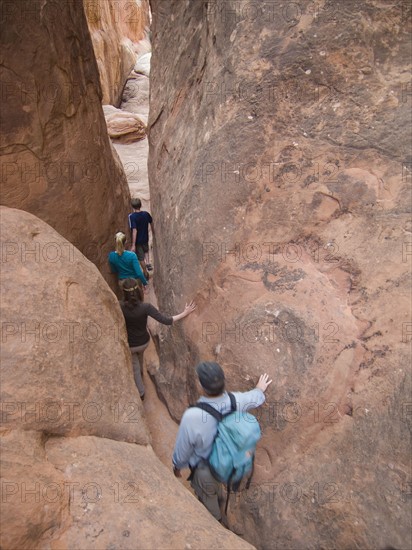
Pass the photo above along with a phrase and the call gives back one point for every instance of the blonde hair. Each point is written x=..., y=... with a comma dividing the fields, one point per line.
x=120, y=242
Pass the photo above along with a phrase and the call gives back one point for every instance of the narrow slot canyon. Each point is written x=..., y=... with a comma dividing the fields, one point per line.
x=270, y=141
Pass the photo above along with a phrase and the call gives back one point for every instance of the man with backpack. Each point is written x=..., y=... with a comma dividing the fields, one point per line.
x=218, y=434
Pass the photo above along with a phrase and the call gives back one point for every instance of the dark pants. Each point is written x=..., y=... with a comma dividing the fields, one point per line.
x=137, y=361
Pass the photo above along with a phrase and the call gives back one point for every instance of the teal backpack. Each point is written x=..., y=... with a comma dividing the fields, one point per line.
x=234, y=447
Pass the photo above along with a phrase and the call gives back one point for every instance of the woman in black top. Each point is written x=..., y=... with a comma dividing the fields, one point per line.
x=136, y=312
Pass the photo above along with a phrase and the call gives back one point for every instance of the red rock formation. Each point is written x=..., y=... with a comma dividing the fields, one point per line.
x=92, y=492
x=114, y=26
x=76, y=467
x=63, y=338
x=57, y=160
x=123, y=126
x=135, y=101
x=279, y=170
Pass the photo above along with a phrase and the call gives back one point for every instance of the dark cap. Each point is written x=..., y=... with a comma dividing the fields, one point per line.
x=211, y=376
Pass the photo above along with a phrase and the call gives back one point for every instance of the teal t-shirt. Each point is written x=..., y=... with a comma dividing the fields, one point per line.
x=126, y=266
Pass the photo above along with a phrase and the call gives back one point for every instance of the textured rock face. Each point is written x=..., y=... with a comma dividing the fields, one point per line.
x=56, y=157
x=114, y=27
x=72, y=473
x=278, y=171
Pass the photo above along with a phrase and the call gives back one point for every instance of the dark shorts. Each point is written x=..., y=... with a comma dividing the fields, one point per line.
x=140, y=251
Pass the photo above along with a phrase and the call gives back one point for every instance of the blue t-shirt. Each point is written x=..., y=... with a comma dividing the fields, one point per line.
x=140, y=221
x=127, y=266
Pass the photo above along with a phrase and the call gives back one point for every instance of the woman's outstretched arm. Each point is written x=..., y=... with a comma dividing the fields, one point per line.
x=189, y=308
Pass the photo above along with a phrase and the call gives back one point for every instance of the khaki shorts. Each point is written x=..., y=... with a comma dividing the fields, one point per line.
x=141, y=249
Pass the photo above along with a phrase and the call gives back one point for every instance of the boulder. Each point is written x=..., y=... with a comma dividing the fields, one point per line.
x=35, y=500
x=66, y=366
x=142, y=47
x=116, y=30
x=143, y=64
x=135, y=98
x=92, y=492
x=134, y=503
x=56, y=156
x=123, y=126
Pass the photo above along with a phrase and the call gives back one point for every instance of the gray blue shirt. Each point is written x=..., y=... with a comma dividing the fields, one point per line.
x=198, y=429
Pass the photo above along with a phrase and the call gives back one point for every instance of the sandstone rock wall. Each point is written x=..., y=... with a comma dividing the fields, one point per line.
x=279, y=175
x=77, y=469
x=66, y=366
x=114, y=26
x=57, y=161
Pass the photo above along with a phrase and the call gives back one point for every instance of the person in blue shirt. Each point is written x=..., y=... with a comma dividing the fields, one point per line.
x=139, y=221
x=196, y=434
x=125, y=263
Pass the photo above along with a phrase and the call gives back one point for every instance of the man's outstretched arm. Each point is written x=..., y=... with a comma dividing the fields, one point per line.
x=253, y=398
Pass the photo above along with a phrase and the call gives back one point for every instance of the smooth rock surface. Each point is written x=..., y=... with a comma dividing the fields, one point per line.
x=143, y=64
x=134, y=159
x=92, y=492
x=35, y=500
x=56, y=156
x=278, y=174
x=134, y=503
x=66, y=366
x=135, y=98
x=123, y=126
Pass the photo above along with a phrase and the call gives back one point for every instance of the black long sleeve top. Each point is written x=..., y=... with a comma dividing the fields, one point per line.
x=136, y=322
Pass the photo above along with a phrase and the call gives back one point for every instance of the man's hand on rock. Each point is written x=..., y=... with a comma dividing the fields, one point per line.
x=264, y=382
x=177, y=472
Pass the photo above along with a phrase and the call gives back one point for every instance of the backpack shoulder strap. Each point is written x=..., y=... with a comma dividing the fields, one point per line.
x=214, y=412
x=209, y=409
x=232, y=402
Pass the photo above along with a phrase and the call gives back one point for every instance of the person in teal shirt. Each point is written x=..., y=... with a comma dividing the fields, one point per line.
x=125, y=263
